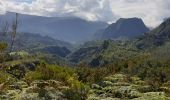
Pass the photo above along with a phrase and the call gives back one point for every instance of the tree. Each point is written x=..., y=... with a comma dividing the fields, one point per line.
x=14, y=31
x=105, y=44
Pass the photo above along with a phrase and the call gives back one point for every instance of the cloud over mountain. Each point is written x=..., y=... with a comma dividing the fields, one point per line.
x=151, y=11
x=87, y=9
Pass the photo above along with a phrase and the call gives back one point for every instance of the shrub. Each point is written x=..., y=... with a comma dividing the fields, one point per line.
x=47, y=72
x=78, y=91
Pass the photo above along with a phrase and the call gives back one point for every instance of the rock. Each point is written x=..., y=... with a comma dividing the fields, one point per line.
x=22, y=84
x=153, y=96
x=29, y=96
x=12, y=93
x=15, y=86
x=114, y=88
x=109, y=89
x=40, y=83
x=55, y=83
x=167, y=84
x=53, y=94
x=144, y=89
x=135, y=78
x=116, y=78
x=106, y=83
x=140, y=82
x=93, y=97
x=121, y=84
x=39, y=90
x=134, y=94
x=165, y=89
x=96, y=86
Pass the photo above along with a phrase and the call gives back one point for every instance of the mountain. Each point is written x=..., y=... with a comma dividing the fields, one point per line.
x=104, y=52
x=156, y=37
x=154, y=44
x=34, y=43
x=70, y=29
x=126, y=28
x=56, y=50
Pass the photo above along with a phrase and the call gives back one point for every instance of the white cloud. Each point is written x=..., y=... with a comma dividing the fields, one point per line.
x=151, y=11
x=87, y=9
x=2, y=8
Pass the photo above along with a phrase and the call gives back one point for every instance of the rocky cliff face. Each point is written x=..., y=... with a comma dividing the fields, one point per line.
x=127, y=28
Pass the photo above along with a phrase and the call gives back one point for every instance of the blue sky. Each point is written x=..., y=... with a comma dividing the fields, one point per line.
x=151, y=11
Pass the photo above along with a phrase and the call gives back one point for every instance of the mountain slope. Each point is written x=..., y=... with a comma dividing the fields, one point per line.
x=156, y=37
x=69, y=29
x=127, y=28
x=33, y=43
x=152, y=45
x=103, y=53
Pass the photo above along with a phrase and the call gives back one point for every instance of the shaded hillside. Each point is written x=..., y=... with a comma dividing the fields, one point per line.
x=123, y=28
x=156, y=40
x=156, y=37
x=55, y=50
x=34, y=43
x=104, y=52
x=70, y=29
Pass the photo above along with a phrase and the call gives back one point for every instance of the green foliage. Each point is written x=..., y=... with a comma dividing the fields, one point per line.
x=78, y=91
x=3, y=77
x=3, y=46
x=105, y=44
x=92, y=75
x=46, y=72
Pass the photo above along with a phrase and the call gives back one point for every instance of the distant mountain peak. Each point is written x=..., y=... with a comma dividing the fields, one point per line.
x=125, y=27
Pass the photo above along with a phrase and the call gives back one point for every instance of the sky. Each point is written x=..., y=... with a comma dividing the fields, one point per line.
x=153, y=12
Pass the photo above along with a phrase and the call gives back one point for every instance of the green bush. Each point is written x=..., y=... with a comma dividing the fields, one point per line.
x=3, y=77
x=78, y=91
x=93, y=75
x=3, y=46
x=47, y=72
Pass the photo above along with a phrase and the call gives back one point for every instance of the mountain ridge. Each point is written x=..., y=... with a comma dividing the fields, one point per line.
x=124, y=27
x=70, y=29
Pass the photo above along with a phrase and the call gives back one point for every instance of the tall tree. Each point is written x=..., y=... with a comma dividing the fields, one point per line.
x=14, y=31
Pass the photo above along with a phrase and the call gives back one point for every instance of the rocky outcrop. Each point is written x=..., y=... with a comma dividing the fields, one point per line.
x=115, y=87
x=37, y=90
x=119, y=86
